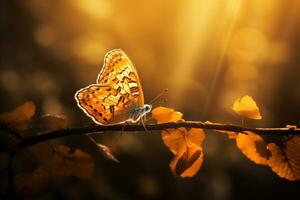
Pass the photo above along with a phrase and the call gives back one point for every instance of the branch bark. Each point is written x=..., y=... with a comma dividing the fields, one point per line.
x=152, y=129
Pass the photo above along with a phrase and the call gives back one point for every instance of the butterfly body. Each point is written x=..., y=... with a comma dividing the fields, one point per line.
x=138, y=112
x=117, y=97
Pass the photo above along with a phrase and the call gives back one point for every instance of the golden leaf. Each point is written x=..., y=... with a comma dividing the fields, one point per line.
x=185, y=145
x=174, y=139
x=246, y=107
x=285, y=159
x=253, y=147
x=78, y=163
x=187, y=150
x=188, y=161
x=19, y=118
x=22, y=113
x=164, y=115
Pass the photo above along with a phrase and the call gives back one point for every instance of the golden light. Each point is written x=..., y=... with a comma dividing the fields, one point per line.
x=95, y=8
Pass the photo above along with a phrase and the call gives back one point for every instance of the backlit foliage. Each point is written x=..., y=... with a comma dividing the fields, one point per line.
x=207, y=53
x=20, y=117
x=37, y=162
x=163, y=115
x=246, y=107
x=253, y=146
x=186, y=145
x=282, y=158
x=44, y=159
x=285, y=159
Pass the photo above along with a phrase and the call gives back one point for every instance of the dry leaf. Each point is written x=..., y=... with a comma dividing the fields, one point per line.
x=187, y=149
x=253, y=147
x=31, y=183
x=164, y=115
x=185, y=145
x=20, y=114
x=188, y=161
x=20, y=117
x=174, y=139
x=246, y=107
x=106, y=152
x=78, y=163
x=285, y=159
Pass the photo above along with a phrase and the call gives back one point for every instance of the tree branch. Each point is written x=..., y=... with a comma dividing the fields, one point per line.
x=28, y=141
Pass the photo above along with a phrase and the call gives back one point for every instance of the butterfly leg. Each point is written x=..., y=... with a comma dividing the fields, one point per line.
x=143, y=123
x=117, y=138
x=124, y=124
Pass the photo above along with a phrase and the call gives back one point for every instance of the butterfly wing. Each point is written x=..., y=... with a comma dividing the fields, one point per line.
x=119, y=73
x=117, y=92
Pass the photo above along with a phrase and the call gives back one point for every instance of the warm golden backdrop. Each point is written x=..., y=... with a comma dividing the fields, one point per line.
x=207, y=53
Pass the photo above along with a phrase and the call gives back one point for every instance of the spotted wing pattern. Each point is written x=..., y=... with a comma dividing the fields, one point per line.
x=117, y=91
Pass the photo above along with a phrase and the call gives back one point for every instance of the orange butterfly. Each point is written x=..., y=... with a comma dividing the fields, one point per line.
x=117, y=97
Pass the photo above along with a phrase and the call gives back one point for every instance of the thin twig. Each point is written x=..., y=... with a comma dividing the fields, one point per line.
x=155, y=128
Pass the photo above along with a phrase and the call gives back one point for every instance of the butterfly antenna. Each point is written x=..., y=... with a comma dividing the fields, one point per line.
x=160, y=101
x=159, y=96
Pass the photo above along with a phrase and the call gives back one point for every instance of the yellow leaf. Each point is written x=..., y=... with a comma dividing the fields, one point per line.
x=188, y=161
x=19, y=118
x=174, y=139
x=285, y=159
x=164, y=115
x=253, y=147
x=185, y=145
x=246, y=107
x=187, y=150
x=64, y=163
x=20, y=114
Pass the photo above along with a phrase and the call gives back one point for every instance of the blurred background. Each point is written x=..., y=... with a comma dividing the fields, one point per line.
x=208, y=53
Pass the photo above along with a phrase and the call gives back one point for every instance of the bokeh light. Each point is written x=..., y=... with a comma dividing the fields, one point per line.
x=207, y=53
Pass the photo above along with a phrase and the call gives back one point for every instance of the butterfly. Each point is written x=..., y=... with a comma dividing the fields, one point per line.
x=117, y=97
